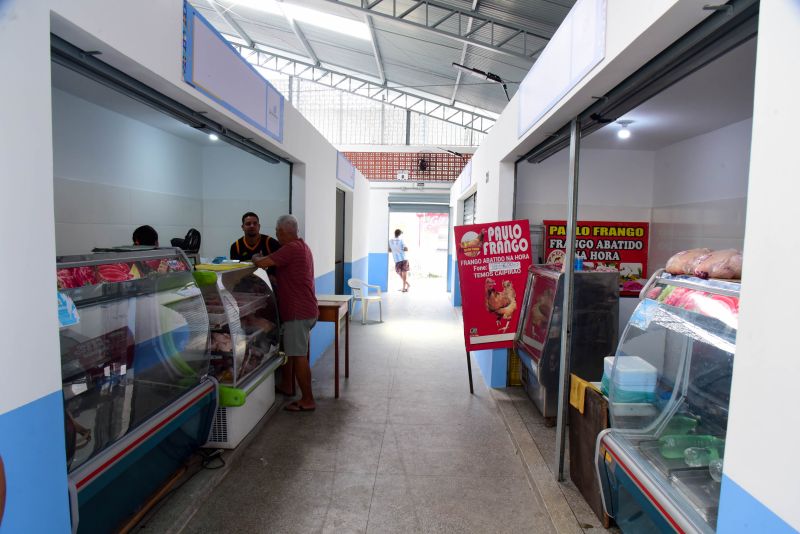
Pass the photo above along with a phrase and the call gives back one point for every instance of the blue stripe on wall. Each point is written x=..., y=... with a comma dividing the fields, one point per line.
x=449, y=272
x=455, y=296
x=741, y=512
x=358, y=269
x=34, y=456
x=494, y=366
x=379, y=269
x=322, y=334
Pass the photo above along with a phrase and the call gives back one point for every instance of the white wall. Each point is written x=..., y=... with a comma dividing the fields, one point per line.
x=233, y=183
x=615, y=185
x=700, y=193
x=762, y=429
x=359, y=220
x=154, y=58
x=692, y=192
x=112, y=174
x=379, y=220
x=26, y=209
x=636, y=31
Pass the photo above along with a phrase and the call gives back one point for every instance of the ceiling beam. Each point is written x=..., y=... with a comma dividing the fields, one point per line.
x=274, y=60
x=376, y=49
x=225, y=14
x=300, y=35
x=494, y=39
x=463, y=55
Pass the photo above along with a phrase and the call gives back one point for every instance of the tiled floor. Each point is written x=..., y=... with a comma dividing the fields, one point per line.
x=405, y=448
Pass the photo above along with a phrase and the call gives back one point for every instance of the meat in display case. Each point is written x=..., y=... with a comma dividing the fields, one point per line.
x=134, y=365
x=660, y=463
x=594, y=330
x=244, y=343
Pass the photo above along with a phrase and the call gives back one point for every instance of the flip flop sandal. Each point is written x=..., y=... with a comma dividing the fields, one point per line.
x=295, y=407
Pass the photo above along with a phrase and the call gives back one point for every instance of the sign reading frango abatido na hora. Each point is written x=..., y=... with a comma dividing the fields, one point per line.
x=493, y=261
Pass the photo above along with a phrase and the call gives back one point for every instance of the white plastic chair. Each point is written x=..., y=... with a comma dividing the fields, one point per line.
x=361, y=293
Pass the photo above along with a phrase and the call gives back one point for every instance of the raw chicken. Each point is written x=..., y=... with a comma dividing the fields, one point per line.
x=685, y=261
x=221, y=342
x=720, y=264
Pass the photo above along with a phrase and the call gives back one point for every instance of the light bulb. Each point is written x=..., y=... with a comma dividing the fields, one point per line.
x=213, y=136
x=624, y=133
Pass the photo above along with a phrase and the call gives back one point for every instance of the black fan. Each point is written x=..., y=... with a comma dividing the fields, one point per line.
x=190, y=243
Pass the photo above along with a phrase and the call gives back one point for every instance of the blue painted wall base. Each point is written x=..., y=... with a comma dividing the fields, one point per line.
x=741, y=512
x=322, y=334
x=449, y=273
x=358, y=269
x=455, y=296
x=35, y=461
x=378, y=268
x=493, y=365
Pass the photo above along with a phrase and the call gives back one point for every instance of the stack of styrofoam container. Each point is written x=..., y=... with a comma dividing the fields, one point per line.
x=633, y=380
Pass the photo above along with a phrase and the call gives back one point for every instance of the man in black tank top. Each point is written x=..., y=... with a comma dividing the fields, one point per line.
x=253, y=242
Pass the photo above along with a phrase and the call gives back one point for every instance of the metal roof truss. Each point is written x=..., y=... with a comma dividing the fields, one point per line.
x=365, y=88
x=484, y=32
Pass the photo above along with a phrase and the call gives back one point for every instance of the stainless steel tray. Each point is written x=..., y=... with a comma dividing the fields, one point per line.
x=701, y=490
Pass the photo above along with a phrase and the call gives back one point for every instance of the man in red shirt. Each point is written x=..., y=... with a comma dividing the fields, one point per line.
x=297, y=305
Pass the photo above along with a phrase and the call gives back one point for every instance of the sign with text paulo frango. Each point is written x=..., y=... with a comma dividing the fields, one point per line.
x=493, y=261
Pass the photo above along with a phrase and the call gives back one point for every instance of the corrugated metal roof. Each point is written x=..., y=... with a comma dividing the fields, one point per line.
x=415, y=57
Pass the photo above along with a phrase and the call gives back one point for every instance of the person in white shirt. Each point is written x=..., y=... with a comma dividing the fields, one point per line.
x=398, y=250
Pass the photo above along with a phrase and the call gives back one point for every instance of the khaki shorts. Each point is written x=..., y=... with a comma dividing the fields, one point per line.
x=295, y=336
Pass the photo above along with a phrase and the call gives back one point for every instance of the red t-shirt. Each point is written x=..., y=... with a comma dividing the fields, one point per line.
x=295, y=274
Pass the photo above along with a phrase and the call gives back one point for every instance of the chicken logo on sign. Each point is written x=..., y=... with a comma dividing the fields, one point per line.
x=471, y=243
x=501, y=303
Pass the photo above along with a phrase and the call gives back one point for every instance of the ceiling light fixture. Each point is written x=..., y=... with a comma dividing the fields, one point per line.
x=483, y=75
x=334, y=23
x=624, y=132
x=213, y=137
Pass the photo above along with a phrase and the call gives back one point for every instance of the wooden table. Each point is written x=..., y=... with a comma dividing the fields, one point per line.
x=331, y=310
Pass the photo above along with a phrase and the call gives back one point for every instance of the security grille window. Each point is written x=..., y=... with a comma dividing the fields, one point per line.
x=469, y=209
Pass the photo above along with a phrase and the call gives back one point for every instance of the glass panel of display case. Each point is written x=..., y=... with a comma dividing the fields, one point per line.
x=243, y=315
x=139, y=343
x=669, y=388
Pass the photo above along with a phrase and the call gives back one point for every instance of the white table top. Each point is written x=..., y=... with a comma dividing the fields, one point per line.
x=334, y=298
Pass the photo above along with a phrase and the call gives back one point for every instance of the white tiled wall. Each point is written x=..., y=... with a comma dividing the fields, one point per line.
x=92, y=215
x=693, y=192
x=716, y=224
x=700, y=193
x=113, y=174
x=234, y=183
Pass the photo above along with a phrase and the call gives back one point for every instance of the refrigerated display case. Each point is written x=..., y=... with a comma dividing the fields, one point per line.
x=137, y=397
x=660, y=463
x=244, y=346
x=594, y=330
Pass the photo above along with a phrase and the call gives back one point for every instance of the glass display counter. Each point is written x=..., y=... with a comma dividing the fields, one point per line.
x=134, y=364
x=660, y=463
x=243, y=346
x=594, y=330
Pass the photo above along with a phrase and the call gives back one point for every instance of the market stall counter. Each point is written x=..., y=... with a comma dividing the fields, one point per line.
x=137, y=397
x=594, y=330
x=660, y=463
x=243, y=346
